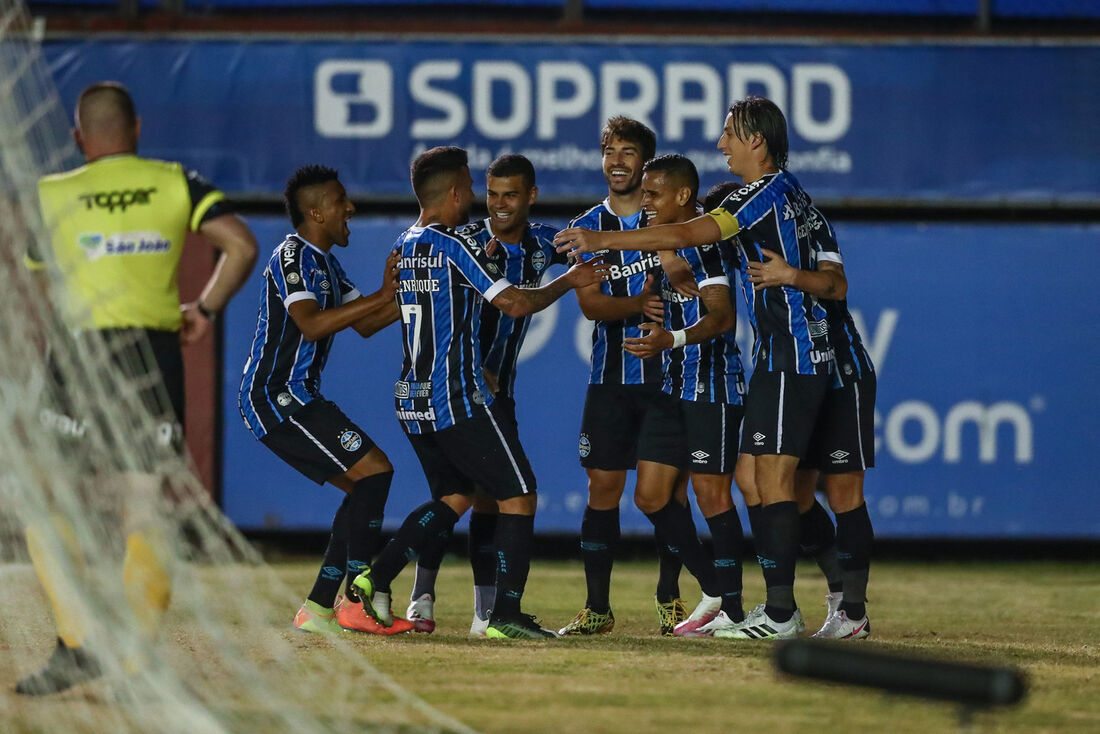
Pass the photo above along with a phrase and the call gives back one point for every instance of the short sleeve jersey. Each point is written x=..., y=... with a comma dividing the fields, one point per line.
x=852, y=359
x=283, y=370
x=524, y=264
x=709, y=372
x=118, y=226
x=628, y=272
x=775, y=214
x=444, y=279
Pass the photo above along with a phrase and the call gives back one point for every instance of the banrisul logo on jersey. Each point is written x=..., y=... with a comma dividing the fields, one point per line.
x=95, y=245
x=350, y=440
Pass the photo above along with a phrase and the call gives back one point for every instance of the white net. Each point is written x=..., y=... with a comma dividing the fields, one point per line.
x=81, y=495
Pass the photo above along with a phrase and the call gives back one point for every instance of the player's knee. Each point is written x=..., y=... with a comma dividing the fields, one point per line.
x=375, y=462
x=484, y=505
x=522, y=505
x=605, y=490
x=649, y=502
x=845, y=491
x=713, y=501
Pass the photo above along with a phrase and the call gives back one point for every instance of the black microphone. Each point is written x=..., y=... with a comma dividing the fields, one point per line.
x=965, y=683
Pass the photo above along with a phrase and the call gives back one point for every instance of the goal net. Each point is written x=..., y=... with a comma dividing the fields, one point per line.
x=223, y=657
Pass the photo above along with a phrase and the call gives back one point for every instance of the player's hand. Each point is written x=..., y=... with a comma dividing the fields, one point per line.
x=650, y=345
x=492, y=246
x=650, y=304
x=680, y=276
x=588, y=273
x=772, y=271
x=390, y=275
x=492, y=382
x=575, y=240
x=194, y=325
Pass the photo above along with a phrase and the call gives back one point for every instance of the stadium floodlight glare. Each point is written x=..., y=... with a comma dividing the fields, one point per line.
x=973, y=686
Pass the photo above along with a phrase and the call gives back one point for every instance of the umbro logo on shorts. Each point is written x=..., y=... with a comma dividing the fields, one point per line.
x=700, y=456
x=839, y=456
x=758, y=438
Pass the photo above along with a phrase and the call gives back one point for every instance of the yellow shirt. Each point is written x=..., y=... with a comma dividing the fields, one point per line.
x=117, y=228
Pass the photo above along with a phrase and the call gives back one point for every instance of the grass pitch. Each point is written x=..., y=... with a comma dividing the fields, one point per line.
x=1041, y=617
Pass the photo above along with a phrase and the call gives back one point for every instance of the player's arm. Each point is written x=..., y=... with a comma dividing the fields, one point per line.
x=228, y=233
x=702, y=230
x=376, y=321
x=234, y=240
x=680, y=275
x=518, y=302
x=828, y=281
x=718, y=318
x=599, y=306
x=362, y=313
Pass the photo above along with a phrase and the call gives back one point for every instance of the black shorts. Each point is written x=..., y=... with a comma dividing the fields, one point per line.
x=611, y=424
x=482, y=452
x=148, y=366
x=319, y=441
x=843, y=440
x=695, y=436
x=780, y=412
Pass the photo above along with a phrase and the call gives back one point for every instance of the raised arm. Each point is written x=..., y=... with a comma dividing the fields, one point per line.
x=717, y=319
x=828, y=281
x=699, y=231
x=518, y=302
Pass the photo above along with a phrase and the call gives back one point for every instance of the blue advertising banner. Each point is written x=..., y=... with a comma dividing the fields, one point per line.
x=881, y=122
x=987, y=404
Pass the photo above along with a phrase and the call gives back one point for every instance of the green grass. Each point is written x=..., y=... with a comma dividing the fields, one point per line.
x=1041, y=617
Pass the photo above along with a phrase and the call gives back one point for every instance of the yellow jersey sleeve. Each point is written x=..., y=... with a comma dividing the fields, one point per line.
x=726, y=222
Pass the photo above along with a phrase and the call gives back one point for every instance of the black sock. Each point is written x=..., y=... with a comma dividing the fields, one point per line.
x=513, y=546
x=779, y=523
x=817, y=537
x=483, y=554
x=431, y=557
x=726, y=534
x=755, y=528
x=854, y=538
x=423, y=524
x=668, y=570
x=427, y=564
x=599, y=537
x=327, y=585
x=673, y=522
x=366, y=507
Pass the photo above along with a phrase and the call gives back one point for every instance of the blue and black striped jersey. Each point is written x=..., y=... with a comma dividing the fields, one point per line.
x=610, y=364
x=774, y=213
x=710, y=372
x=852, y=359
x=443, y=276
x=283, y=371
x=523, y=264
